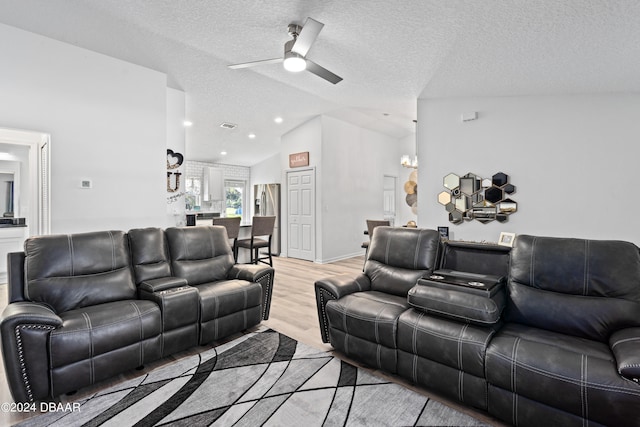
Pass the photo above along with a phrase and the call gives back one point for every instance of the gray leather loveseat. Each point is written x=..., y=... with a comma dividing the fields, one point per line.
x=556, y=343
x=84, y=307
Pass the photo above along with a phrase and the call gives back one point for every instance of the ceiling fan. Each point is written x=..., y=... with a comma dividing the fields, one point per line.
x=295, y=52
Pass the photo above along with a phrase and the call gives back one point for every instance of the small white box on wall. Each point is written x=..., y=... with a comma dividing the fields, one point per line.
x=467, y=117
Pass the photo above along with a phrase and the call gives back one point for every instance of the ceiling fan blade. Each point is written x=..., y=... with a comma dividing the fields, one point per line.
x=322, y=72
x=255, y=63
x=307, y=36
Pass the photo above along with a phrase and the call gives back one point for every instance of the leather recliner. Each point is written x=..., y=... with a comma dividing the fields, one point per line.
x=569, y=353
x=232, y=297
x=88, y=306
x=74, y=317
x=360, y=316
x=559, y=344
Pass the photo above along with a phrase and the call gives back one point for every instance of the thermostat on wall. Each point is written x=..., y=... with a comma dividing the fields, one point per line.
x=86, y=183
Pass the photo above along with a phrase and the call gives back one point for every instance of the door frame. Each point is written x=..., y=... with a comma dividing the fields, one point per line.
x=39, y=143
x=285, y=209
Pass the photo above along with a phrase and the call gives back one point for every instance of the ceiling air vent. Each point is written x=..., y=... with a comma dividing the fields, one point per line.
x=227, y=125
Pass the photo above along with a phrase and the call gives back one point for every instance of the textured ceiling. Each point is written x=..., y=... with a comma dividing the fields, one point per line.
x=389, y=52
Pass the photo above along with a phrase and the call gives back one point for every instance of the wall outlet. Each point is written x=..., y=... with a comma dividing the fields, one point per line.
x=86, y=183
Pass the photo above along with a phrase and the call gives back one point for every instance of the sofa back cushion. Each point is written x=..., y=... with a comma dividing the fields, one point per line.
x=149, y=254
x=200, y=254
x=78, y=270
x=398, y=257
x=585, y=288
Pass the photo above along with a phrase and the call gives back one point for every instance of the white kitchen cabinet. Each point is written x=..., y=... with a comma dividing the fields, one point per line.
x=11, y=240
x=212, y=184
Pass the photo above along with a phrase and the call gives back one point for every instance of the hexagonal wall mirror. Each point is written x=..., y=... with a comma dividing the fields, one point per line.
x=470, y=197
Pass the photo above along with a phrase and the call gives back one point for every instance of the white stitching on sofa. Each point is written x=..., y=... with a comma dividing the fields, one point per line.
x=140, y=333
x=624, y=340
x=113, y=251
x=514, y=355
x=386, y=252
x=21, y=359
x=414, y=338
x=447, y=337
x=345, y=312
x=463, y=306
x=585, y=285
x=106, y=325
x=417, y=251
x=583, y=387
x=569, y=380
x=70, y=243
x=460, y=346
x=87, y=320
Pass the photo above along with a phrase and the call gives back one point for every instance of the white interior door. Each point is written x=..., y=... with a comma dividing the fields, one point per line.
x=301, y=195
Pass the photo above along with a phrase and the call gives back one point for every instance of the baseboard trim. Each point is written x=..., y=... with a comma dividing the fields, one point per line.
x=339, y=258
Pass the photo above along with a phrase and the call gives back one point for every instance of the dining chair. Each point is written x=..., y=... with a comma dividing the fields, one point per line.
x=262, y=226
x=233, y=231
x=371, y=225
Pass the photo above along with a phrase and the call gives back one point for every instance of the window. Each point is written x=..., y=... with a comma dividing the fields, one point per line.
x=235, y=196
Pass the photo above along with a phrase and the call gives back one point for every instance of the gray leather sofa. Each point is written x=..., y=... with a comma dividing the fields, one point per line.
x=85, y=307
x=557, y=343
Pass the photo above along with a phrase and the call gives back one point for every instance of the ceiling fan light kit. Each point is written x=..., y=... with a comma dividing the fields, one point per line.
x=295, y=52
x=293, y=62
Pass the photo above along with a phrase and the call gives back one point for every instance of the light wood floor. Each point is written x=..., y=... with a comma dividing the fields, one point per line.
x=293, y=313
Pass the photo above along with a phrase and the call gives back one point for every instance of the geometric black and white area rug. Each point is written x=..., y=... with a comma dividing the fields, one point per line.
x=262, y=378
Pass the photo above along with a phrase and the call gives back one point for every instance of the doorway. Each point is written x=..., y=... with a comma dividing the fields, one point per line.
x=389, y=198
x=301, y=214
x=24, y=208
x=34, y=203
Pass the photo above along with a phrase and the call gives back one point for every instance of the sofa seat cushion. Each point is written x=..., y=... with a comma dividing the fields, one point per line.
x=225, y=297
x=99, y=329
x=573, y=374
x=371, y=315
x=458, y=345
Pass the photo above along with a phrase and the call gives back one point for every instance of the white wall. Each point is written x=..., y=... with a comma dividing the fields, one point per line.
x=350, y=164
x=306, y=137
x=176, y=215
x=107, y=120
x=573, y=160
x=354, y=162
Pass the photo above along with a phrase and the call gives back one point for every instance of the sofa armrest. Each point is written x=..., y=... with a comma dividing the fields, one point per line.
x=162, y=284
x=25, y=328
x=625, y=345
x=15, y=276
x=259, y=274
x=333, y=288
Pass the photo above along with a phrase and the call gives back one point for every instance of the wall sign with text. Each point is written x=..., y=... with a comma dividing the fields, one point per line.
x=297, y=160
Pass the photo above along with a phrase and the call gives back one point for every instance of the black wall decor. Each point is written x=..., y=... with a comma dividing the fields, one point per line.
x=470, y=197
x=174, y=161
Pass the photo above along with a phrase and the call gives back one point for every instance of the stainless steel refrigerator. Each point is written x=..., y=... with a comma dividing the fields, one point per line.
x=267, y=203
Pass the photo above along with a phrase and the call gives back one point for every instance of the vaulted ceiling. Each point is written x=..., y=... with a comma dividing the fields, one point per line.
x=389, y=52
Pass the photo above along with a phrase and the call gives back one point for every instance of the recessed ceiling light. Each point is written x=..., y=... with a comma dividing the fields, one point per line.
x=223, y=153
x=187, y=123
x=251, y=135
x=278, y=120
